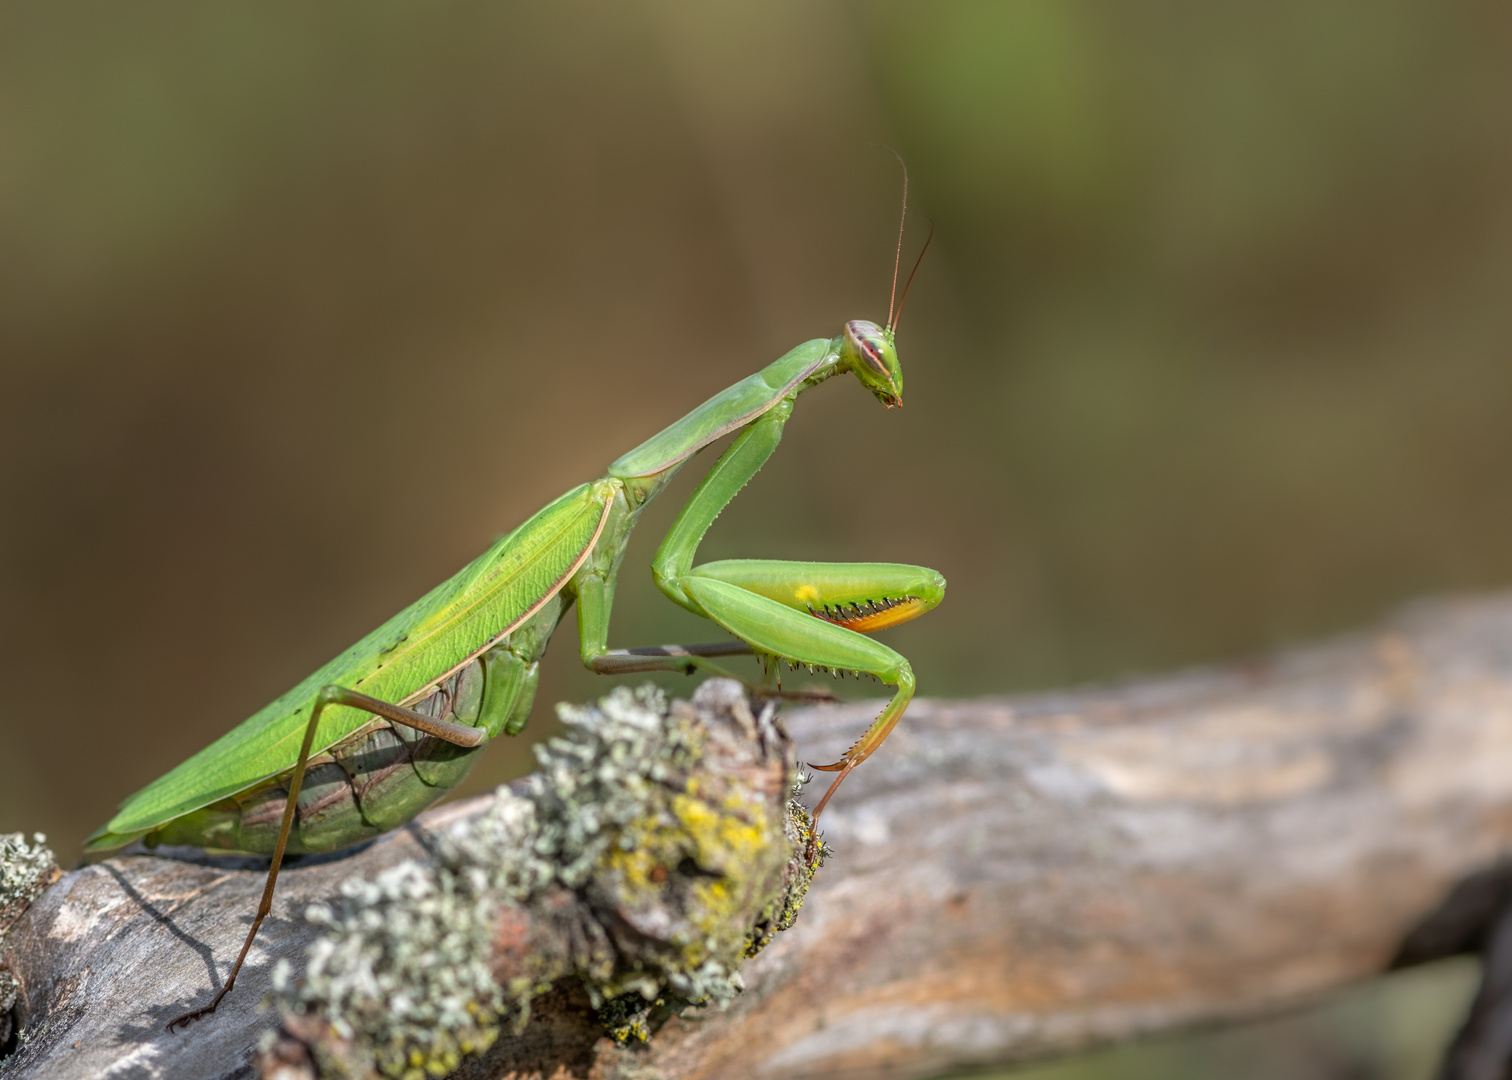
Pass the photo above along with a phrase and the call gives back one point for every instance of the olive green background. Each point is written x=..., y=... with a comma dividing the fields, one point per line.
x=301, y=305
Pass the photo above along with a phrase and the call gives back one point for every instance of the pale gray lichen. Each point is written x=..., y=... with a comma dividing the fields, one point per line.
x=403, y=963
x=10, y=990
x=650, y=854
x=25, y=871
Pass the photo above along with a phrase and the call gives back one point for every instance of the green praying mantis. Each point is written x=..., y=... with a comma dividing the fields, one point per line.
x=396, y=721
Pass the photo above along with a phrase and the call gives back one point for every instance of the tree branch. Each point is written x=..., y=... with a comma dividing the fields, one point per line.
x=1014, y=878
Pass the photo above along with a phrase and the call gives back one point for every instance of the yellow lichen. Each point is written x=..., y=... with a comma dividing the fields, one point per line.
x=685, y=871
x=634, y=866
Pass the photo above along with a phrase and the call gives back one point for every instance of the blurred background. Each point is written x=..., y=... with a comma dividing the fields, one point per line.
x=301, y=306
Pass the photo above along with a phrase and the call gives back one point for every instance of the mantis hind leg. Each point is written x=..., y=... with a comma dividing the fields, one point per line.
x=457, y=734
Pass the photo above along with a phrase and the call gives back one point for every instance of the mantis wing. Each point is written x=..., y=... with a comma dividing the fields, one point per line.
x=416, y=648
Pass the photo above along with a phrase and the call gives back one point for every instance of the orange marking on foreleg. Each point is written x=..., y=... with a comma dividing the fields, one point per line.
x=872, y=616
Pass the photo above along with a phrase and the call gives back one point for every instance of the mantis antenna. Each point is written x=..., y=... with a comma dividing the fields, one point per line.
x=898, y=254
x=892, y=318
x=892, y=323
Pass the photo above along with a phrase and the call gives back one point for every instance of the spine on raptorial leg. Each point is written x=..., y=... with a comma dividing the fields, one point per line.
x=859, y=596
x=882, y=726
x=873, y=738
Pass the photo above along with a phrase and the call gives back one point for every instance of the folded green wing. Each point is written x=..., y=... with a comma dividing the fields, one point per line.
x=417, y=646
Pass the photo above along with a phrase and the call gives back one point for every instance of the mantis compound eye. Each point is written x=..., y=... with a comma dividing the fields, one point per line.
x=868, y=350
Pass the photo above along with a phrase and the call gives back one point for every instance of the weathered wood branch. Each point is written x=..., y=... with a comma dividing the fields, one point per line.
x=1013, y=878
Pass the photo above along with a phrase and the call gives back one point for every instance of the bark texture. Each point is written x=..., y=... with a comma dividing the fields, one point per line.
x=1013, y=878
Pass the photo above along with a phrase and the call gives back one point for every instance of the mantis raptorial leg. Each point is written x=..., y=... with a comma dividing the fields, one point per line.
x=804, y=613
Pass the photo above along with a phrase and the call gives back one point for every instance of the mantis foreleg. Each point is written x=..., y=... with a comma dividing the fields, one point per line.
x=777, y=630
x=813, y=614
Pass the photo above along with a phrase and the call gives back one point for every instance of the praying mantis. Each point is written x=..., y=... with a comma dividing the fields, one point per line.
x=396, y=721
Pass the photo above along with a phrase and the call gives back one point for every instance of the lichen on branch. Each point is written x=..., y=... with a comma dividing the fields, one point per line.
x=25, y=870
x=656, y=848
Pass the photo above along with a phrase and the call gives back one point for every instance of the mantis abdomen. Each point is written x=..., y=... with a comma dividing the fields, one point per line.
x=383, y=774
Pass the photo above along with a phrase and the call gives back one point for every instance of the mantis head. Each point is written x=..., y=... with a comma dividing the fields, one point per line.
x=868, y=350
